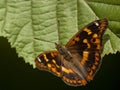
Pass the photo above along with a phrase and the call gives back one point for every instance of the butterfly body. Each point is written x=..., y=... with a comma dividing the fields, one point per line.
x=78, y=61
x=64, y=52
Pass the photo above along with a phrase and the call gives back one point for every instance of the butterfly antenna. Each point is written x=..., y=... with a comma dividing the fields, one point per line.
x=43, y=40
x=56, y=43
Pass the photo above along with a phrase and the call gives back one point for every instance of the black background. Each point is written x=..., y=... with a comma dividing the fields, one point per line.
x=15, y=74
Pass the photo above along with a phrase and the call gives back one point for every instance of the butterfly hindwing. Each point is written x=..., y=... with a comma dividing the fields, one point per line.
x=69, y=76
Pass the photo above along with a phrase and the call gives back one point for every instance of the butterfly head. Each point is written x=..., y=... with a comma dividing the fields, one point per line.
x=57, y=46
x=60, y=48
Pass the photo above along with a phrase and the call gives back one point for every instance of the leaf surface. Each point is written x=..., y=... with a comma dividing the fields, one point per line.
x=33, y=26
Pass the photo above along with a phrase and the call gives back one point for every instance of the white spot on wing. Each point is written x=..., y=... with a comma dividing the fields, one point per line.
x=96, y=23
x=39, y=59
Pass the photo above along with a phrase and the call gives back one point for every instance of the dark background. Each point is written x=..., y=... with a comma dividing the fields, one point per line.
x=15, y=74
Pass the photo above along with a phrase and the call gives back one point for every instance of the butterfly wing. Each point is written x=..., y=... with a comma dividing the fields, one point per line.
x=88, y=43
x=49, y=61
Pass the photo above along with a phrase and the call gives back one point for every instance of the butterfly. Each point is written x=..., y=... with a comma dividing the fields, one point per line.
x=77, y=62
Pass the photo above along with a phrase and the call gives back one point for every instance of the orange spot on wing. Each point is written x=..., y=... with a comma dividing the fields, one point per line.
x=77, y=39
x=54, y=70
x=83, y=82
x=74, y=81
x=97, y=57
x=97, y=41
x=46, y=59
x=55, y=63
x=66, y=79
x=49, y=65
x=89, y=77
x=67, y=70
x=97, y=54
x=98, y=47
x=85, y=57
x=52, y=54
x=91, y=72
x=86, y=41
x=96, y=63
x=88, y=31
x=95, y=35
x=93, y=67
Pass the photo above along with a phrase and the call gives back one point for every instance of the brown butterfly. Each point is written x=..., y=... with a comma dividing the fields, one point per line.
x=79, y=60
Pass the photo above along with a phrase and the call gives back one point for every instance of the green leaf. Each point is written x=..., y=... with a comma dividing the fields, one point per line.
x=33, y=26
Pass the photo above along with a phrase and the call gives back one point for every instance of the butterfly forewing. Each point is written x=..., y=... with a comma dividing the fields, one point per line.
x=89, y=37
x=49, y=61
